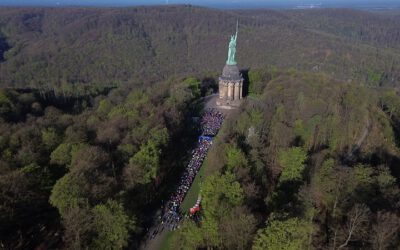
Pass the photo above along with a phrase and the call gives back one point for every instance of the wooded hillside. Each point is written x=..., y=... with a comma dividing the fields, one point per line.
x=54, y=48
x=99, y=111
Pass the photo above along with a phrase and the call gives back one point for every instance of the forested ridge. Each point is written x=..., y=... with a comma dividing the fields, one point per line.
x=53, y=48
x=96, y=127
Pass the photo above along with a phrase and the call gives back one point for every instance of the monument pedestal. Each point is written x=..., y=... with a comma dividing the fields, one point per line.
x=230, y=87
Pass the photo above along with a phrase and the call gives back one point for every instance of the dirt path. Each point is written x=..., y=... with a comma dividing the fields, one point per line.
x=155, y=243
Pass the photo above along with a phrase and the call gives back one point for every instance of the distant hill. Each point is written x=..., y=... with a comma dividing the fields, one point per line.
x=56, y=47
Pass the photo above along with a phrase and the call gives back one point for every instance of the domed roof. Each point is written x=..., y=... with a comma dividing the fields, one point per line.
x=231, y=72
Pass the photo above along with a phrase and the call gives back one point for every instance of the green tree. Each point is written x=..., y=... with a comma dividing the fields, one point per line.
x=326, y=183
x=390, y=100
x=385, y=179
x=194, y=85
x=188, y=237
x=144, y=165
x=256, y=83
x=236, y=158
x=67, y=193
x=292, y=162
x=362, y=185
x=220, y=194
x=64, y=153
x=104, y=107
x=220, y=191
x=50, y=138
x=61, y=155
x=289, y=234
x=111, y=226
x=6, y=105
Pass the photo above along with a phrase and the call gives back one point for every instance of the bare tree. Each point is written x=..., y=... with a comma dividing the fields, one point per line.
x=385, y=230
x=357, y=218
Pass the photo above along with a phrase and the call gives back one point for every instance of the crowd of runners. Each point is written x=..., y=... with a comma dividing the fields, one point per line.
x=211, y=122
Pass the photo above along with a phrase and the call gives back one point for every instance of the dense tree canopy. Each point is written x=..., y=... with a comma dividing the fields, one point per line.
x=290, y=234
x=97, y=123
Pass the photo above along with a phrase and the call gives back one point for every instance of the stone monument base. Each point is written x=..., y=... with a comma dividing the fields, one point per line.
x=230, y=87
x=228, y=104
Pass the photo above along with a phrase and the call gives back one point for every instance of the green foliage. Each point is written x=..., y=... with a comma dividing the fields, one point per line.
x=373, y=78
x=6, y=105
x=256, y=117
x=292, y=161
x=299, y=130
x=50, y=138
x=67, y=193
x=122, y=140
x=144, y=165
x=76, y=134
x=111, y=226
x=391, y=102
x=173, y=51
x=288, y=234
x=194, y=85
x=250, y=118
x=385, y=179
x=126, y=150
x=104, y=107
x=219, y=194
x=326, y=182
x=64, y=153
x=127, y=136
x=256, y=83
x=189, y=237
x=363, y=175
x=236, y=158
x=147, y=160
x=334, y=139
x=300, y=101
x=31, y=168
x=61, y=155
x=7, y=154
x=220, y=191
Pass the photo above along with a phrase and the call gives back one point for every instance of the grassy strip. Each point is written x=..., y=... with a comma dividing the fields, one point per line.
x=193, y=193
x=166, y=245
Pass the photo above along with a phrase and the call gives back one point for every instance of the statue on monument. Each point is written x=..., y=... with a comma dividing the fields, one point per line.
x=230, y=83
x=232, y=48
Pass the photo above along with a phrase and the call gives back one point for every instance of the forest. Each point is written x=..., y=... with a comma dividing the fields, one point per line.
x=97, y=111
x=59, y=48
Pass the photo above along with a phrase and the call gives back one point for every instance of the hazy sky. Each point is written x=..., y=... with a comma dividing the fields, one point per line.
x=212, y=3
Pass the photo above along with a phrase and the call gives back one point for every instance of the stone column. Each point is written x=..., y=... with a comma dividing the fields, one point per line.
x=237, y=92
x=240, y=90
x=230, y=91
x=221, y=89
